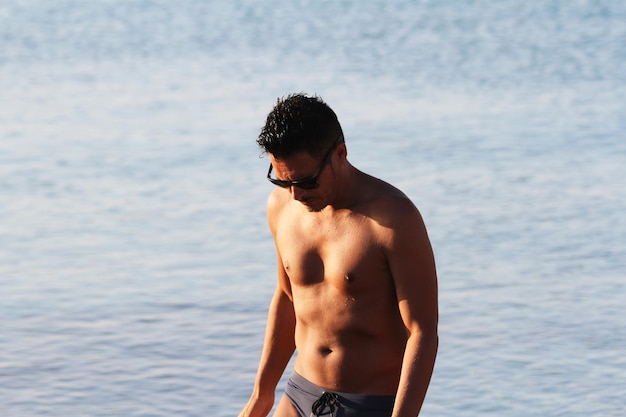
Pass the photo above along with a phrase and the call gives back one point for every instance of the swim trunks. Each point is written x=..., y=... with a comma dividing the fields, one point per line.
x=313, y=401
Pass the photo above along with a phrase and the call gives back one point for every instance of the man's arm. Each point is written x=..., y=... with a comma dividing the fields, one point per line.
x=412, y=266
x=278, y=347
x=279, y=343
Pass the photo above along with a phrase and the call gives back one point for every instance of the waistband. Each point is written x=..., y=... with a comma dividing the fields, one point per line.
x=355, y=401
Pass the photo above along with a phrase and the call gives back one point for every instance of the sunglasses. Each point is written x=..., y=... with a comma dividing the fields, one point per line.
x=305, y=183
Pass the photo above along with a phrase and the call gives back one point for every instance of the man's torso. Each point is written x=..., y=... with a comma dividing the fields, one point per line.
x=349, y=333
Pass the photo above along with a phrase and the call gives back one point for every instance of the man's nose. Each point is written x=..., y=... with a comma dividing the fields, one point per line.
x=297, y=193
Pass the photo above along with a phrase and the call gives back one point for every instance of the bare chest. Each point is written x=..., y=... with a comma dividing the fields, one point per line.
x=344, y=254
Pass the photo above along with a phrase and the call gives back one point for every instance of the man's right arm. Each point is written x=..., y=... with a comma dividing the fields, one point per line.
x=278, y=347
x=279, y=343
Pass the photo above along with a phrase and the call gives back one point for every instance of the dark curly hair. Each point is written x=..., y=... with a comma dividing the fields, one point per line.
x=300, y=123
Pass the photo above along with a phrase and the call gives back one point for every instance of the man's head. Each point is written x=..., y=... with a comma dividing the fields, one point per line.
x=303, y=137
x=300, y=123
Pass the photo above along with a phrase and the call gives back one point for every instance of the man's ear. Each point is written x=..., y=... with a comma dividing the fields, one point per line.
x=342, y=151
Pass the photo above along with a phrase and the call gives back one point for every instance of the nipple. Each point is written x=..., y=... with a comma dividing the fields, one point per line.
x=349, y=299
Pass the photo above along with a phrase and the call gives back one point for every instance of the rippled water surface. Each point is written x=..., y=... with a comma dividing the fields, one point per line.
x=135, y=262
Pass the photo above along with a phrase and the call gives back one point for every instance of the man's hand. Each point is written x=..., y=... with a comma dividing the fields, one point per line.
x=258, y=406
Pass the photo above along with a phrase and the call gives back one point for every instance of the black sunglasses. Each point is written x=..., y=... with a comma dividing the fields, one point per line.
x=305, y=183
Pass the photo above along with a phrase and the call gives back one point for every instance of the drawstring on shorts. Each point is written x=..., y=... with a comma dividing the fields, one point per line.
x=325, y=405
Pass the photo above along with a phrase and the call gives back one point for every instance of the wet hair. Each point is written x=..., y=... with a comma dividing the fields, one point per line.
x=300, y=123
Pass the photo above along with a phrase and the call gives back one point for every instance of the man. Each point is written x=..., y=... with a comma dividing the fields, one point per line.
x=357, y=287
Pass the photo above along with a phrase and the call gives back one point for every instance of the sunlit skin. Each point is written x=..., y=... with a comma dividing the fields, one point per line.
x=356, y=293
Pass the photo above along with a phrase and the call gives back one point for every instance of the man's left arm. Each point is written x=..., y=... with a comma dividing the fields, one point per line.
x=412, y=266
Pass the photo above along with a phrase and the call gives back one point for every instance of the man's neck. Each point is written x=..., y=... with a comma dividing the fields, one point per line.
x=348, y=190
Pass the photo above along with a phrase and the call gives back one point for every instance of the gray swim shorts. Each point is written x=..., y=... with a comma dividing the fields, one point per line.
x=313, y=401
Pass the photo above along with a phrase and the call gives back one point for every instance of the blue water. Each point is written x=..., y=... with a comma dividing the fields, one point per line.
x=135, y=262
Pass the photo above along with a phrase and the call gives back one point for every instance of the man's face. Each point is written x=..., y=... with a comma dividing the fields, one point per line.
x=303, y=169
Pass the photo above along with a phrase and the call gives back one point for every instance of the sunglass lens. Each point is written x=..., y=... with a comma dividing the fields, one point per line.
x=307, y=185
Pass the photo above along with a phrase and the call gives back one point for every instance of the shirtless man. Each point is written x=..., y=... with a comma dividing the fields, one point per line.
x=357, y=287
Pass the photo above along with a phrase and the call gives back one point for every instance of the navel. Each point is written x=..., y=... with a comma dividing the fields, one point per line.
x=325, y=351
x=349, y=278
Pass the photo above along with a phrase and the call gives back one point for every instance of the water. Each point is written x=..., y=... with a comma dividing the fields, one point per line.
x=135, y=262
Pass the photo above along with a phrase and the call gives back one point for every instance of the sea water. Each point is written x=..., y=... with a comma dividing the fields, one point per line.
x=135, y=263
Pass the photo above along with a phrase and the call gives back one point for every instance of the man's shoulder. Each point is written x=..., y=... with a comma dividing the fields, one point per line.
x=278, y=200
x=383, y=199
x=390, y=210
